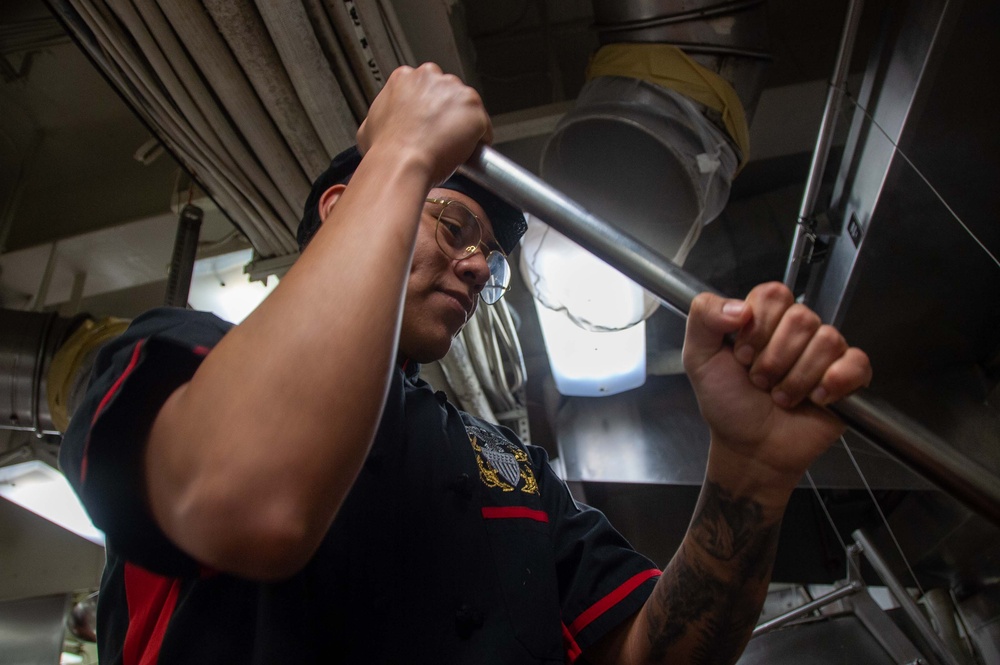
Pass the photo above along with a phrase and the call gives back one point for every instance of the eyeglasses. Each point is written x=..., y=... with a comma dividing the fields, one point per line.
x=459, y=234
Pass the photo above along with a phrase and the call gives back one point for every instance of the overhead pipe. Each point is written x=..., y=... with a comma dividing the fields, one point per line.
x=892, y=431
x=729, y=37
x=824, y=140
x=660, y=125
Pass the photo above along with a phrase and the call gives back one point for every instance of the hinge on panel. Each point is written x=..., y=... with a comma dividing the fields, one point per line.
x=814, y=248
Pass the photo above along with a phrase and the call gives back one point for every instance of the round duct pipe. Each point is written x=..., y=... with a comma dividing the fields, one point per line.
x=660, y=128
x=645, y=154
x=728, y=38
x=45, y=362
x=28, y=342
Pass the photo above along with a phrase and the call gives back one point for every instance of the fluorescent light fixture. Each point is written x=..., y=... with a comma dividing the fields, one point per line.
x=219, y=285
x=38, y=487
x=566, y=277
x=592, y=364
x=592, y=317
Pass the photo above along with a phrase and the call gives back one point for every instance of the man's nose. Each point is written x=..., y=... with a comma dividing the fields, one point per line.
x=473, y=270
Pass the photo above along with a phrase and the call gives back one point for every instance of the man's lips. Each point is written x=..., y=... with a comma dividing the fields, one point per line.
x=463, y=299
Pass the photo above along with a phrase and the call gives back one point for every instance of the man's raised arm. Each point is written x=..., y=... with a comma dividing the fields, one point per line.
x=765, y=432
x=248, y=463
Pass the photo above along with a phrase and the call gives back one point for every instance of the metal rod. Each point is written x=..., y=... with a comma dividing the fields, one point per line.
x=874, y=557
x=182, y=260
x=808, y=608
x=898, y=435
x=834, y=94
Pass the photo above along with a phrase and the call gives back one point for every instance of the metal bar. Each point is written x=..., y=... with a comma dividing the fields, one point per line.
x=898, y=435
x=182, y=260
x=643, y=265
x=824, y=139
x=808, y=608
x=880, y=625
x=874, y=557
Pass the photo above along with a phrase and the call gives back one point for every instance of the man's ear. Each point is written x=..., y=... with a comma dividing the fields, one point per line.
x=329, y=199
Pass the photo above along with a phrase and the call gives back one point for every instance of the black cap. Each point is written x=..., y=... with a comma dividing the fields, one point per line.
x=508, y=222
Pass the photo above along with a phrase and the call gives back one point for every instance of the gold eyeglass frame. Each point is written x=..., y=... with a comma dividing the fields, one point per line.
x=472, y=249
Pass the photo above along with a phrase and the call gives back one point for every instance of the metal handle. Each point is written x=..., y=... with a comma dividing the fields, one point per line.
x=907, y=441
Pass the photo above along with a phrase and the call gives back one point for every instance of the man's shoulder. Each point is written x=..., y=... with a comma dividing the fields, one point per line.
x=180, y=326
x=174, y=327
x=175, y=318
x=494, y=435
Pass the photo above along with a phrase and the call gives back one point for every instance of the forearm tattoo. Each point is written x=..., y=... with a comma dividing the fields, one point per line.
x=692, y=600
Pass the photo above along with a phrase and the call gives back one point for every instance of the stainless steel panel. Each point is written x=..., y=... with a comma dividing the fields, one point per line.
x=32, y=630
x=655, y=434
x=919, y=293
x=891, y=83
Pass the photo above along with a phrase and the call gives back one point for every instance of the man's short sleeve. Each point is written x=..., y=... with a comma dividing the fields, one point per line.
x=602, y=579
x=102, y=451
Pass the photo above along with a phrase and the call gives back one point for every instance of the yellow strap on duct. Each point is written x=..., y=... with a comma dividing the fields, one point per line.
x=667, y=66
x=68, y=363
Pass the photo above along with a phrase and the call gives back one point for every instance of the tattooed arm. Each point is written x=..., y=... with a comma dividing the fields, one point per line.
x=710, y=596
x=755, y=397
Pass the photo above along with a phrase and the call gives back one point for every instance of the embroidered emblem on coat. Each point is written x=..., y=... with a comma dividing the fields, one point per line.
x=502, y=464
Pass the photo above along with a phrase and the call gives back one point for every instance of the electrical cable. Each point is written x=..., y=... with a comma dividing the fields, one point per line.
x=885, y=521
x=829, y=518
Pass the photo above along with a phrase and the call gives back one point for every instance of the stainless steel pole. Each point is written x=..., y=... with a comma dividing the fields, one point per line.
x=808, y=608
x=894, y=432
x=824, y=139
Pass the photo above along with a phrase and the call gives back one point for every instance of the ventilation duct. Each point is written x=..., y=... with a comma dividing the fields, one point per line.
x=28, y=342
x=45, y=361
x=660, y=128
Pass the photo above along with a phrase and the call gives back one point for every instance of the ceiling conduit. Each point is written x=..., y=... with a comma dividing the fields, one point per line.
x=223, y=84
x=252, y=97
